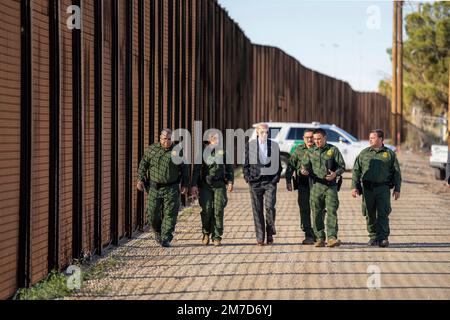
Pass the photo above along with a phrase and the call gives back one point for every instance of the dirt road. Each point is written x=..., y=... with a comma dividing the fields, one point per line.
x=415, y=266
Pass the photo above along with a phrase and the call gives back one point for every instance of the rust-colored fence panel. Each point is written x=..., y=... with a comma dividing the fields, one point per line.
x=107, y=125
x=10, y=63
x=66, y=151
x=40, y=146
x=88, y=48
x=122, y=116
x=135, y=110
x=78, y=108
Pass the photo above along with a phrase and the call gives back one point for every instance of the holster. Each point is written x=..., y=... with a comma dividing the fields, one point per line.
x=339, y=183
x=211, y=180
x=146, y=185
x=295, y=182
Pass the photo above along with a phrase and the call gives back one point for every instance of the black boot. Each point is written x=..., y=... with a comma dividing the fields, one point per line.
x=158, y=238
x=166, y=244
x=384, y=243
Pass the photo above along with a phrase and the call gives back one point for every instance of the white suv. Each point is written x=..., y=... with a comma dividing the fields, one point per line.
x=438, y=160
x=290, y=135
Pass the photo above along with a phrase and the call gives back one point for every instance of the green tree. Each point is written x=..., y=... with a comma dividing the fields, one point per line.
x=385, y=88
x=426, y=58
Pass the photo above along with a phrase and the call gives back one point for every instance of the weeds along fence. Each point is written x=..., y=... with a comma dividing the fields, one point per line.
x=78, y=107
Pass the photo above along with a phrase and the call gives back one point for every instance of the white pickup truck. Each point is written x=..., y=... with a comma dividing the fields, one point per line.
x=438, y=160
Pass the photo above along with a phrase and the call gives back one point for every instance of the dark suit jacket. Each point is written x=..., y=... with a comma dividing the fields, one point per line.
x=256, y=172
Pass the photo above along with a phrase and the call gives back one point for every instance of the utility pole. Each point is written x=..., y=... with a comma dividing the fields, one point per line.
x=394, y=79
x=448, y=129
x=399, y=73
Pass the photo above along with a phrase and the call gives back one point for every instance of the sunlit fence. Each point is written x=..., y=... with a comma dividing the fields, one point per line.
x=87, y=85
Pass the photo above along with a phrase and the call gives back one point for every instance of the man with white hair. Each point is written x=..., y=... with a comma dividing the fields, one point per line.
x=262, y=171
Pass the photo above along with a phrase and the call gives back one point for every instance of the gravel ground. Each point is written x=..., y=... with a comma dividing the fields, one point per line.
x=415, y=266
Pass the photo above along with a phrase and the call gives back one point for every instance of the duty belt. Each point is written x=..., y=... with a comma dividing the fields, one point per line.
x=157, y=185
x=325, y=182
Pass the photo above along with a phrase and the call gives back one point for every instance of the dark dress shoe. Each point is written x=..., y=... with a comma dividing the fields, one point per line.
x=165, y=244
x=269, y=240
x=158, y=238
x=384, y=243
x=308, y=241
x=260, y=243
x=372, y=243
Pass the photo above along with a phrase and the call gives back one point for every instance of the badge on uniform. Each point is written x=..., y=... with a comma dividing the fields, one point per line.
x=174, y=153
x=330, y=153
x=385, y=155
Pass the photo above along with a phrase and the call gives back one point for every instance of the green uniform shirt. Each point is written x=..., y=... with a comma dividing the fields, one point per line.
x=157, y=162
x=213, y=168
x=315, y=160
x=377, y=166
x=295, y=162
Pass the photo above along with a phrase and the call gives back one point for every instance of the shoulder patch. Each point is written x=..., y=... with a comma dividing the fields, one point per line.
x=385, y=155
x=330, y=153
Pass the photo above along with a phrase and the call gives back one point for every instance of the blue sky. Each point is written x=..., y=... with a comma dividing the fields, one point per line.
x=343, y=39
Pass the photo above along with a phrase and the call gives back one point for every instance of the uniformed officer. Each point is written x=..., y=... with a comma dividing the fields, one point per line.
x=164, y=177
x=324, y=163
x=376, y=170
x=212, y=179
x=301, y=183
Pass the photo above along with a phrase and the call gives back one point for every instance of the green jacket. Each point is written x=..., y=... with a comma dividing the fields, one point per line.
x=377, y=166
x=212, y=168
x=158, y=166
x=315, y=160
x=295, y=162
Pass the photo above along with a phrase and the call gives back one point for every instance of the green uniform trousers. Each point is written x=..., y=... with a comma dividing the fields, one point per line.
x=376, y=207
x=213, y=202
x=162, y=209
x=322, y=197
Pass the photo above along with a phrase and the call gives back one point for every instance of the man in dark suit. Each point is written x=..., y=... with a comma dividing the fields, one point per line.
x=262, y=171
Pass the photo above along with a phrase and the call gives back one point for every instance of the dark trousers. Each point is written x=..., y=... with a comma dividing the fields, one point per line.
x=305, y=211
x=264, y=198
